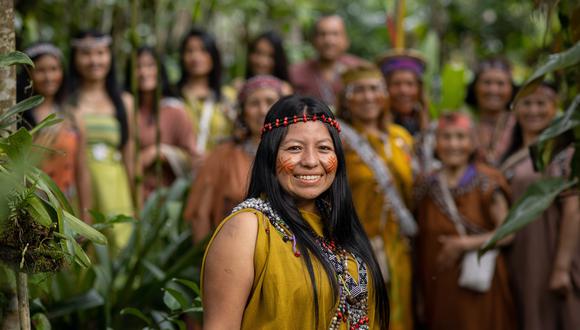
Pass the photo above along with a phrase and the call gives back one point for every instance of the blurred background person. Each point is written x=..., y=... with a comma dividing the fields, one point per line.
x=458, y=209
x=65, y=159
x=490, y=94
x=378, y=159
x=544, y=258
x=266, y=56
x=403, y=70
x=320, y=77
x=222, y=180
x=208, y=102
x=160, y=110
x=97, y=99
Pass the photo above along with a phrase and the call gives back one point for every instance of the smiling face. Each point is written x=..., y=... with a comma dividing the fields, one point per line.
x=196, y=59
x=47, y=75
x=146, y=72
x=330, y=39
x=93, y=63
x=404, y=88
x=454, y=145
x=262, y=58
x=493, y=90
x=366, y=99
x=535, y=111
x=306, y=163
x=256, y=107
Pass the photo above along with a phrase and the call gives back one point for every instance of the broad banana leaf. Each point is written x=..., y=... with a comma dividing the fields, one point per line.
x=15, y=57
x=541, y=150
x=566, y=59
x=537, y=198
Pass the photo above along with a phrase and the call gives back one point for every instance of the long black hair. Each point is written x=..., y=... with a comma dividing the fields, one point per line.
x=340, y=222
x=23, y=83
x=496, y=62
x=162, y=78
x=111, y=85
x=280, y=70
x=210, y=46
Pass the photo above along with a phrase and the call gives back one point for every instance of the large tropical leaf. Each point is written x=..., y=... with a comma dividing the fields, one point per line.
x=566, y=59
x=81, y=228
x=50, y=120
x=541, y=150
x=21, y=106
x=537, y=198
x=15, y=57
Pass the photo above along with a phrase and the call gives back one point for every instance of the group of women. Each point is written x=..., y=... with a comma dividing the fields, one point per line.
x=362, y=217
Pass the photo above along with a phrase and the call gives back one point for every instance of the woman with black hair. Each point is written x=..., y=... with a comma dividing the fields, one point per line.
x=294, y=254
x=490, y=94
x=65, y=159
x=207, y=101
x=176, y=139
x=222, y=180
x=96, y=98
x=544, y=258
x=266, y=56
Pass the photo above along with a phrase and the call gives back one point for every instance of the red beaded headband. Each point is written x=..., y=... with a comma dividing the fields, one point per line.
x=296, y=119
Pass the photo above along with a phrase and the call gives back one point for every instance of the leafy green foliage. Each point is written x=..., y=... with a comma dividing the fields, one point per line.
x=15, y=58
x=566, y=59
x=151, y=281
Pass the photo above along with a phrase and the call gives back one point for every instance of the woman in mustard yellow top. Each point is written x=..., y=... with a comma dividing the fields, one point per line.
x=294, y=255
x=378, y=160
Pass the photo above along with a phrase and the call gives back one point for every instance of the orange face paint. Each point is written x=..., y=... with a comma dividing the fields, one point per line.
x=331, y=165
x=285, y=165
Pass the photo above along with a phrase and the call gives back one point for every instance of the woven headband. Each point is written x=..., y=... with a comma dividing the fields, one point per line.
x=259, y=82
x=297, y=119
x=455, y=119
x=43, y=49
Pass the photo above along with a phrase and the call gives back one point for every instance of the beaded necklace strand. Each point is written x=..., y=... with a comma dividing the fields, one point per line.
x=352, y=306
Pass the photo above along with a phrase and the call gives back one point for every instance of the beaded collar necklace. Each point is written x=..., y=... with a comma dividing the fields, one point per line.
x=284, y=122
x=352, y=306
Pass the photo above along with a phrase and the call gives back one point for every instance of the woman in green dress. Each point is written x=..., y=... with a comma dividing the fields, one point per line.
x=97, y=100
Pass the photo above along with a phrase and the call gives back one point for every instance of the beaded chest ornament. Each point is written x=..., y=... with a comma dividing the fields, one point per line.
x=352, y=306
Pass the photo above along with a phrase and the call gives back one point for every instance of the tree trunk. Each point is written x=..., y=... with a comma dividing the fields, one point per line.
x=23, y=307
x=7, y=44
x=7, y=99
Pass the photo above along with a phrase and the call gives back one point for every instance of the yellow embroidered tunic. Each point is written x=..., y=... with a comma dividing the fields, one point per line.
x=218, y=124
x=368, y=201
x=281, y=295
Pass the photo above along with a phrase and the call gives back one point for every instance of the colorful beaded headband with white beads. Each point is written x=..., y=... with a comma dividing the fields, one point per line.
x=296, y=119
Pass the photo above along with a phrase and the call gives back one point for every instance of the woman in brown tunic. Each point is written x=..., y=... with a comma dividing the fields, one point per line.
x=490, y=94
x=544, y=259
x=479, y=195
x=176, y=137
x=222, y=180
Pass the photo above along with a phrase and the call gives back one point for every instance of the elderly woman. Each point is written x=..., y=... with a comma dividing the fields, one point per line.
x=490, y=94
x=294, y=255
x=544, y=259
x=378, y=158
x=222, y=180
x=403, y=71
x=458, y=209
